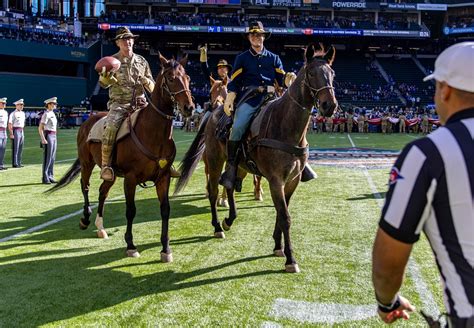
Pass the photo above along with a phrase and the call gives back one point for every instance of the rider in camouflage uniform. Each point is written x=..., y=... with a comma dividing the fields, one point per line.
x=133, y=77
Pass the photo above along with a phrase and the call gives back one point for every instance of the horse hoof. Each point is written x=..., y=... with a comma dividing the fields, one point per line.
x=259, y=198
x=279, y=253
x=219, y=234
x=292, y=268
x=82, y=225
x=102, y=234
x=225, y=226
x=166, y=258
x=133, y=253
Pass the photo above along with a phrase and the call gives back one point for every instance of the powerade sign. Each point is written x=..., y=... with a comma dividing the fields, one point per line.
x=458, y=30
x=351, y=5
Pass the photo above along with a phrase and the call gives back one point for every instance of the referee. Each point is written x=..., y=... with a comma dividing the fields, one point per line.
x=432, y=189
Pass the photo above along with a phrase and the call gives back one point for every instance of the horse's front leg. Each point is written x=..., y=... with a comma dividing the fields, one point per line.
x=283, y=220
x=257, y=188
x=130, y=186
x=227, y=223
x=162, y=190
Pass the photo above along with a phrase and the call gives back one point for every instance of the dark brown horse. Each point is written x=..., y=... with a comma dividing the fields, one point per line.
x=280, y=149
x=145, y=155
x=218, y=94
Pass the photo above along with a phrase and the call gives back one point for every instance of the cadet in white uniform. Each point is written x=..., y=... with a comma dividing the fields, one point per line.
x=16, y=124
x=3, y=131
x=47, y=132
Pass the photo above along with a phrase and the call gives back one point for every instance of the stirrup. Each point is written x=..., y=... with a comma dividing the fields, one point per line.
x=107, y=173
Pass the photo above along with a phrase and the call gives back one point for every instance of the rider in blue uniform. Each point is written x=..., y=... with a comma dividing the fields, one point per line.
x=254, y=75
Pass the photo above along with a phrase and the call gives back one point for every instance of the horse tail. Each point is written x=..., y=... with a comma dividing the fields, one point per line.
x=69, y=177
x=192, y=156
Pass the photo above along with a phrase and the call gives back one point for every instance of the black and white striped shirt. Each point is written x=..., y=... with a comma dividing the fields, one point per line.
x=432, y=189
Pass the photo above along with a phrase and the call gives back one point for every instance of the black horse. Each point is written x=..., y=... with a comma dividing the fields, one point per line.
x=280, y=150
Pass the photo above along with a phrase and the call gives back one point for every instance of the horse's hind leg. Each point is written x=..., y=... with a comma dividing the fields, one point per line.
x=227, y=223
x=86, y=171
x=257, y=188
x=222, y=202
x=99, y=221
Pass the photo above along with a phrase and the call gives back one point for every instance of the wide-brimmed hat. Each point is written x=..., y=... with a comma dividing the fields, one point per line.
x=257, y=27
x=223, y=62
x=3, y=100
x=19, y=102
x=124, y=33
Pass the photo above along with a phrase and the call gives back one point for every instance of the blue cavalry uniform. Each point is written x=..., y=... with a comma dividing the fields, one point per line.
x=253, y=71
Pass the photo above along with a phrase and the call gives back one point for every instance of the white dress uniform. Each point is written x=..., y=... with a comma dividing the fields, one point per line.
x=17, y=120
x=3, y=133
x=50, y=126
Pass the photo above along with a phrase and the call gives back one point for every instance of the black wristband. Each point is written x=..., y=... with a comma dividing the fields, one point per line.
x=390, y=307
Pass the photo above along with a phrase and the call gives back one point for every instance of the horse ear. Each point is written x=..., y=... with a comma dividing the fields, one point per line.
x=309, y=53
x=225, y=81
x=330, y=55
x=163, y=60
x=184, y=60
x=321, y=47
x=212, y=80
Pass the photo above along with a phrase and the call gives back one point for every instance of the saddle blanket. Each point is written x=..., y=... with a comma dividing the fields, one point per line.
x=95, y=134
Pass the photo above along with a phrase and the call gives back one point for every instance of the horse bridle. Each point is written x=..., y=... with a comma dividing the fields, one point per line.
x=172, y=96
x=313, y=91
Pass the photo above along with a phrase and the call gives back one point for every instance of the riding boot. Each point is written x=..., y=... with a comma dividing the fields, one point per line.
x=106, y=173
x=308, y=173
x=228, y=177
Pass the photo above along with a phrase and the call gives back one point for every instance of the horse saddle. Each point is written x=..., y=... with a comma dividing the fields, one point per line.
x=95, y=134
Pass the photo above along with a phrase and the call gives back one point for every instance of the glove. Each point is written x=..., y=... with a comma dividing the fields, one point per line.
x=203, y=56
x=147, y=83
x=107, y=78
x=290, y=77
x=229, y=103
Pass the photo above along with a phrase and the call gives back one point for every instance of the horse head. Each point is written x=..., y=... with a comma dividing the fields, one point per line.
x=174, y=83
x=218, y=92
x=319, y=77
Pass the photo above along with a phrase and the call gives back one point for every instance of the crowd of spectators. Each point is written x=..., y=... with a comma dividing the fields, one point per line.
x=44, y=37
x=460, y=21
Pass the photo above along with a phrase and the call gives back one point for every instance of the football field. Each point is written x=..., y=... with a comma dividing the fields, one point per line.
x=53, y=274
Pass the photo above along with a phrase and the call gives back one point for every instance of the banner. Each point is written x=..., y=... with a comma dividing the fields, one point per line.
x=211, y=2
x=349, y=4
x=402, y=6
x=458, y=30
x=432, y=6
x=276, y=3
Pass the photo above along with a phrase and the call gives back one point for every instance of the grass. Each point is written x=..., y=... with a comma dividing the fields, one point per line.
x=62, y=276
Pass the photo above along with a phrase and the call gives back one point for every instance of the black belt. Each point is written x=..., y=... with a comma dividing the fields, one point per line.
x=454, y=322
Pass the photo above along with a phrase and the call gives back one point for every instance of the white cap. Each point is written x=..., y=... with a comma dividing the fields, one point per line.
x=19, y=102
x=51, y=100
x=455, y=67
x=3, y=100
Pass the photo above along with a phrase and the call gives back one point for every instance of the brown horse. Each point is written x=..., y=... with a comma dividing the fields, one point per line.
x=218, y=94
x=144, y=155
x=279, y=150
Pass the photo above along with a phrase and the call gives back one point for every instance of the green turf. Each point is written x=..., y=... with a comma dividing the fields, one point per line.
x=62, y=276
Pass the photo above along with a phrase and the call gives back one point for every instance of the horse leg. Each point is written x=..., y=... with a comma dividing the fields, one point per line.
x=213, y=187
x=257, y=188
x=277, y=233
x=283, y=220
x=222, y=202
x=227, y=223
x=162, y=190
x=129, y=185
x=86, y=171
x=99, y=220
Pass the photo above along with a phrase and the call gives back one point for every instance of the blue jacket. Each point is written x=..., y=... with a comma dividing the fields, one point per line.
x=253, y=70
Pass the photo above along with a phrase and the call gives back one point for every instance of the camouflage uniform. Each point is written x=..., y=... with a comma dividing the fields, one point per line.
x=121, y=93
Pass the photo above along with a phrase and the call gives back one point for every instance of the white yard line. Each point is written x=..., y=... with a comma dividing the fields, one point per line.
x=350, y=139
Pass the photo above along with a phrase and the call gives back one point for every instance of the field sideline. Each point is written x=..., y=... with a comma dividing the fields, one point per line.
x=62, y=276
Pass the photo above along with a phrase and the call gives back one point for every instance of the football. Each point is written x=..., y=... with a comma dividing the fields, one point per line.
x=110, y=63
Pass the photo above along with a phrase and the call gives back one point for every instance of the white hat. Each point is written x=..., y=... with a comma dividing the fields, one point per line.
x=19, y=102
x=3, y=100
x=51, y=100
x=455, y=67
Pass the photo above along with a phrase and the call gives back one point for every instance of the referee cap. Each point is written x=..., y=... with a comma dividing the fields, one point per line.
x=455, y=67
